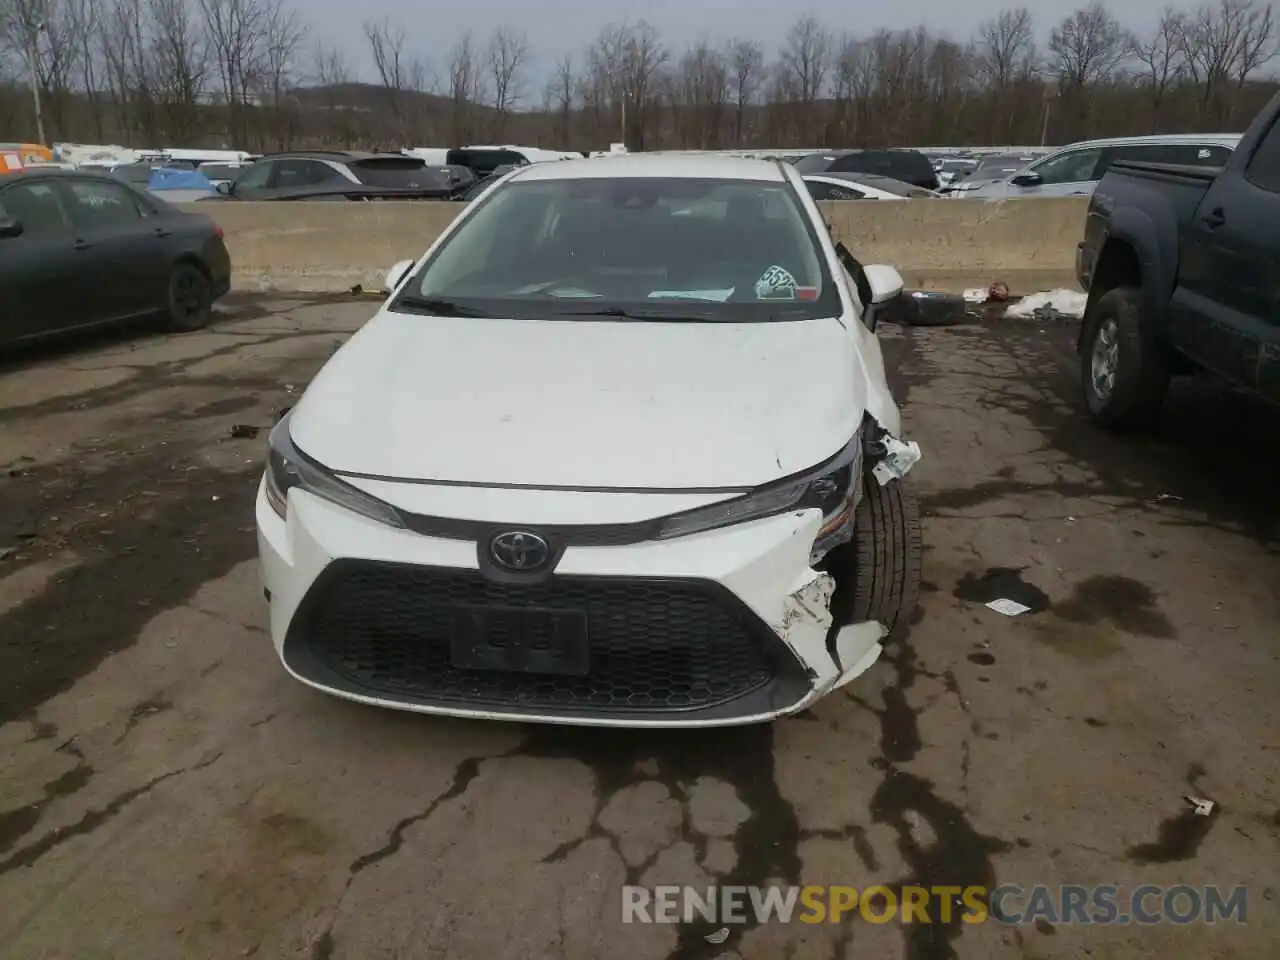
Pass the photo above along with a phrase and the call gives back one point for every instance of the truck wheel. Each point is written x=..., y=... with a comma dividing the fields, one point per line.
x=1125, y=375
x=886, y=556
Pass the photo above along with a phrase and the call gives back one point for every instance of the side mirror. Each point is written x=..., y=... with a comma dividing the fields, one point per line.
x=1027, y=180
x=224, y=188
x=885, y=282
x=10, y=227
x=397, y=274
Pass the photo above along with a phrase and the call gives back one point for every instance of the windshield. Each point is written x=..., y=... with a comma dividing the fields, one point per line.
x=734, y=250
x=999, y=167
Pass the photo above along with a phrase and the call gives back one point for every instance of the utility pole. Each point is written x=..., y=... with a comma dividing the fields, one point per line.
x=33, y=60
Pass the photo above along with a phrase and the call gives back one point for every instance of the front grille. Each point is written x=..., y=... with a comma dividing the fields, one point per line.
x=654, y=645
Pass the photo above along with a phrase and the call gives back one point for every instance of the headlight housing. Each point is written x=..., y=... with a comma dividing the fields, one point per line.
x=287, y=468
x=834, y=487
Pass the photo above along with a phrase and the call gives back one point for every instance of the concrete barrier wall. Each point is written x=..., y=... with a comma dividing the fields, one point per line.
x=936, y=244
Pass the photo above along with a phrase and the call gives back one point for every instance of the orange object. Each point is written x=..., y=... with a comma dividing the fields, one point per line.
x=16, y=156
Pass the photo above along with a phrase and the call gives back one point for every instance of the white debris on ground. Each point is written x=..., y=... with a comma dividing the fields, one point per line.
x=1049, y=304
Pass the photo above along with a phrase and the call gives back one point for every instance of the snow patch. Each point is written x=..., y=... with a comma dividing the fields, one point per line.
x=1048, y=304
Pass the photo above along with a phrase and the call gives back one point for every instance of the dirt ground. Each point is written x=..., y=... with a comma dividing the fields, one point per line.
x=166, y=791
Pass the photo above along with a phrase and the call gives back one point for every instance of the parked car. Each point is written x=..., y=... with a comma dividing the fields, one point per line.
x=1182, y=265
x=337, y=175
x=663, y=470
x=909, y=166
x=81, y=249
x=219, y=172
x=833, y=188
x=474, y=189
x=879, y=184
x=989, y=169
x=1076, y=170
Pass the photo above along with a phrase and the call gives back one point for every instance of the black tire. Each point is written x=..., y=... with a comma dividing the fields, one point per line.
x=886, y=556
x=190, y=298
x=1133, y=392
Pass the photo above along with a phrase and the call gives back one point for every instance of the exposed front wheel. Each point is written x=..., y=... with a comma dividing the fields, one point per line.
x=190, y=298
x=886, y=552
x=1125, y=375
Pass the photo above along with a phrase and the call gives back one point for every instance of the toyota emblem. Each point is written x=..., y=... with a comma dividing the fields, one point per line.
x=519, y=550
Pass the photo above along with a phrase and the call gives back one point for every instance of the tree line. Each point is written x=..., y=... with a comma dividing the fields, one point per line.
x=246, y=74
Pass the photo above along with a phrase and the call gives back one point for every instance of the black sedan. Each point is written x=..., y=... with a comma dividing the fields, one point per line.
x=81, y=249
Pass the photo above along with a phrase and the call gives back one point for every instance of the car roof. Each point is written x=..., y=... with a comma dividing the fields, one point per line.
x=846, y=182
x=1173, y=139
x=40, y=172
x=640, y=167
x=338, y=156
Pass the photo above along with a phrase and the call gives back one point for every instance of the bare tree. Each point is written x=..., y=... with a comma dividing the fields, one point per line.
x=235, y=30
x=331, y=74
x=466, y=90
x=1225, y=43
x=386, y=43
x=803, y=66
x=746, y=67
x=1005, y=47
x=1087, y=45
x=179, y=58
x=83, y=17
x=700, y=91
x=1161, y=54
x=642, y=58
x=507, y=55
x=282, y=41
x=560, y=96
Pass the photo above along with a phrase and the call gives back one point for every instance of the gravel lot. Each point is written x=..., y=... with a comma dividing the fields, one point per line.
x=166, y=791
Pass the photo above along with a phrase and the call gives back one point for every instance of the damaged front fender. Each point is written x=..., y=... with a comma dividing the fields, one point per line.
x=804, y=627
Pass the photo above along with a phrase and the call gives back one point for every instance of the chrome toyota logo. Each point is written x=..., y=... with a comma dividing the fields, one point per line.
x=518, y=550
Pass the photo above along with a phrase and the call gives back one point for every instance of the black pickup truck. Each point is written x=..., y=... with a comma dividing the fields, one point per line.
x=1182, y=265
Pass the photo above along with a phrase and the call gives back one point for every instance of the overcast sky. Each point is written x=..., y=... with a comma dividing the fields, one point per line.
x=555, y=27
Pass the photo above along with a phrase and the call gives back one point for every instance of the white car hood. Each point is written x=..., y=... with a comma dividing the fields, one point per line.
x=583, y=404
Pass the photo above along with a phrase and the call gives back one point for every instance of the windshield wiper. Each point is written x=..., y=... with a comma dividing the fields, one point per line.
x=441, y=307
x=685, y=311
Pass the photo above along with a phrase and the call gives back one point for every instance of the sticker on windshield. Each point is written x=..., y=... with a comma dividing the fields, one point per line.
x=776, y=284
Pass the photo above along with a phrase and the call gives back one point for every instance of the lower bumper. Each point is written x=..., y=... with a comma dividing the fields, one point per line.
x=725, y=627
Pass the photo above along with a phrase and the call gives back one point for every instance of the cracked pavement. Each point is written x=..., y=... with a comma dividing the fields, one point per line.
x=166, y=790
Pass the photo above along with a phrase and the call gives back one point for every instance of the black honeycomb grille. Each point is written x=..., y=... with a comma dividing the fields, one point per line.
x=655, y=645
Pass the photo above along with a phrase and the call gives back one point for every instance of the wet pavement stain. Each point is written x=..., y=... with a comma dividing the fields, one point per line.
x=1125, y=603
x=766, y=843
x=15, y=824
x=1179, y=838
x=222, y=407
x=1001, y=583
x=91, y=821
x=960, y=856
x=981, y=659
x=143, y=563
x=1095, y=722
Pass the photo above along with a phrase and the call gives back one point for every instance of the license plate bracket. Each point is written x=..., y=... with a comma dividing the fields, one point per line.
x=520, y=640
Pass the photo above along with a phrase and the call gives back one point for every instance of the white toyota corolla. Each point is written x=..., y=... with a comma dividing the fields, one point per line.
x=617, y=450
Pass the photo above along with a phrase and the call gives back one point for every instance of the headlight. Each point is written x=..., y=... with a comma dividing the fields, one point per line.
x=288, y=468
x=833, y=487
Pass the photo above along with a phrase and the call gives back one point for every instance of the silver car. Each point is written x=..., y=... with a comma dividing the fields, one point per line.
x=1076, y=169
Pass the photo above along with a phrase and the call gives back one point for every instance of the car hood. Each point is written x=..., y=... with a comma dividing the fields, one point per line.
x=583, y=404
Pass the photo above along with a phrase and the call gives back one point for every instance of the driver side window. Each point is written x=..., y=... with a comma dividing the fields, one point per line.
x=1074, y=167
x=256, y=177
